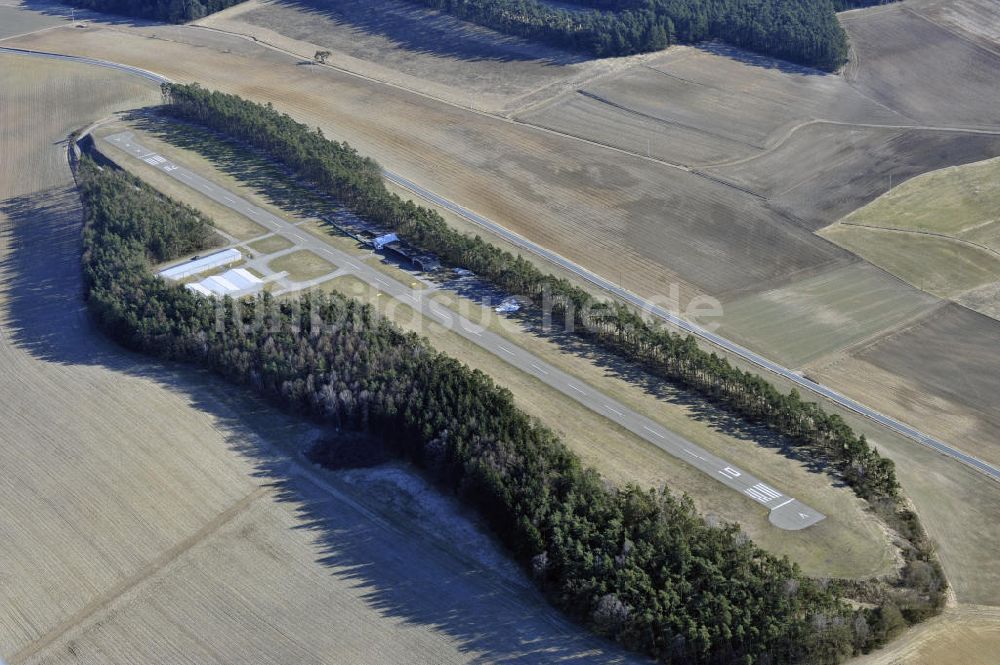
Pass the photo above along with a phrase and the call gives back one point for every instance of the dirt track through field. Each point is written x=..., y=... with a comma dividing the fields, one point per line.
x=150, y=569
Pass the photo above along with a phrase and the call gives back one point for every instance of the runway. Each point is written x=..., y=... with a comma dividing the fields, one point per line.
x=785, y=512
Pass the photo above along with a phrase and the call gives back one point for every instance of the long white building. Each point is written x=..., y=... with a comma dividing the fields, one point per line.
x=180, y=271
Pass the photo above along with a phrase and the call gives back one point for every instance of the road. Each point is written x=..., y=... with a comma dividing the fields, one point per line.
x=784, y=511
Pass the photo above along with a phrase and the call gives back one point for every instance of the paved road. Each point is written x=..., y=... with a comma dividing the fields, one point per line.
x=732, y=347
x=784, y=511
x=687, y=326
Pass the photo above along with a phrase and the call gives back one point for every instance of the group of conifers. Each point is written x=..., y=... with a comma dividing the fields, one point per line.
x=639, y=566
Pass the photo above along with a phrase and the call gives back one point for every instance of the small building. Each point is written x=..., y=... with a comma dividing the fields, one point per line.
x=201, y=264
x=381, y=241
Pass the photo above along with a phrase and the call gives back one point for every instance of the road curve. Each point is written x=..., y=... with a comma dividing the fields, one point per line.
x=519, y=241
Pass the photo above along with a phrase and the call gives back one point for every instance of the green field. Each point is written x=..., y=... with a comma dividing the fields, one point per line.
x=954, y=201
x=801, y=322
x=270, y=244
x=939, y=231
x=302, y=265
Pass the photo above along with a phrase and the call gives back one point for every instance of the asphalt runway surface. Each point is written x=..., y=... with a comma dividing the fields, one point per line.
x=785, y=512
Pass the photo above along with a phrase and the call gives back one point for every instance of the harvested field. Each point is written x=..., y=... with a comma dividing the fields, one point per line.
x=826, y=171
x=151, y=516
x=801, y=322
x=414, y=47
x=939, y=374
x=972, y=19
x=929, y=72
x=575, y=197
x=15, y=21
x=706, y=104
x=969, y=635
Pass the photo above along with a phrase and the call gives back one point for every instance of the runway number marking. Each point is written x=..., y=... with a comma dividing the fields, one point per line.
x=730, y=472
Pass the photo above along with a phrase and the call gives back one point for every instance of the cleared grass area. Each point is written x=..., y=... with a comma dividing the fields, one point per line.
x=302, y=265
x=946, y=268
x=270, y=244
x=818, y=315
x=849, y=543
x=958, y=201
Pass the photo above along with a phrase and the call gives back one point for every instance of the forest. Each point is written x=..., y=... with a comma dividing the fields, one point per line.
x=801, y=31
x=639, y=566
x=170, y=11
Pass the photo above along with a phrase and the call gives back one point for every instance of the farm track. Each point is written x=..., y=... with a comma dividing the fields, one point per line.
x=142, y=575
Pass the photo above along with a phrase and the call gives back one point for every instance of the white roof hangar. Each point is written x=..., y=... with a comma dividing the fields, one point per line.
x=235, y=282
x=201, y=264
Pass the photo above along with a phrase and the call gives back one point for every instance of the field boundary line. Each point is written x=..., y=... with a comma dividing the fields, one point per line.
x=126, y=585
x=919, y=232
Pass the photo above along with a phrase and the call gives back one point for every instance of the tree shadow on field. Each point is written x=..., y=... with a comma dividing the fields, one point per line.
x=757, y=60
x=421, y=29
x=402, y=569
x=80, y=15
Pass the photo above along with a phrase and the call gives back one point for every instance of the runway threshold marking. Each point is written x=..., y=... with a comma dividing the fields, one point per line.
x=783, y=504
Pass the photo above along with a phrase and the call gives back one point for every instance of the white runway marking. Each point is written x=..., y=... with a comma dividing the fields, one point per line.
x=754, y=494
x=767, y=491
x=613, y=410
x=693, y=454
x=783, y=504
x=505, y=349
x=539, y=368
x=730, y=472
x=653, y=431
x=579, y=390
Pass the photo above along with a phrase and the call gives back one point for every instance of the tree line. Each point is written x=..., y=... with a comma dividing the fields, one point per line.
x=171, y=11
x=639, y=566
x=801, y=31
